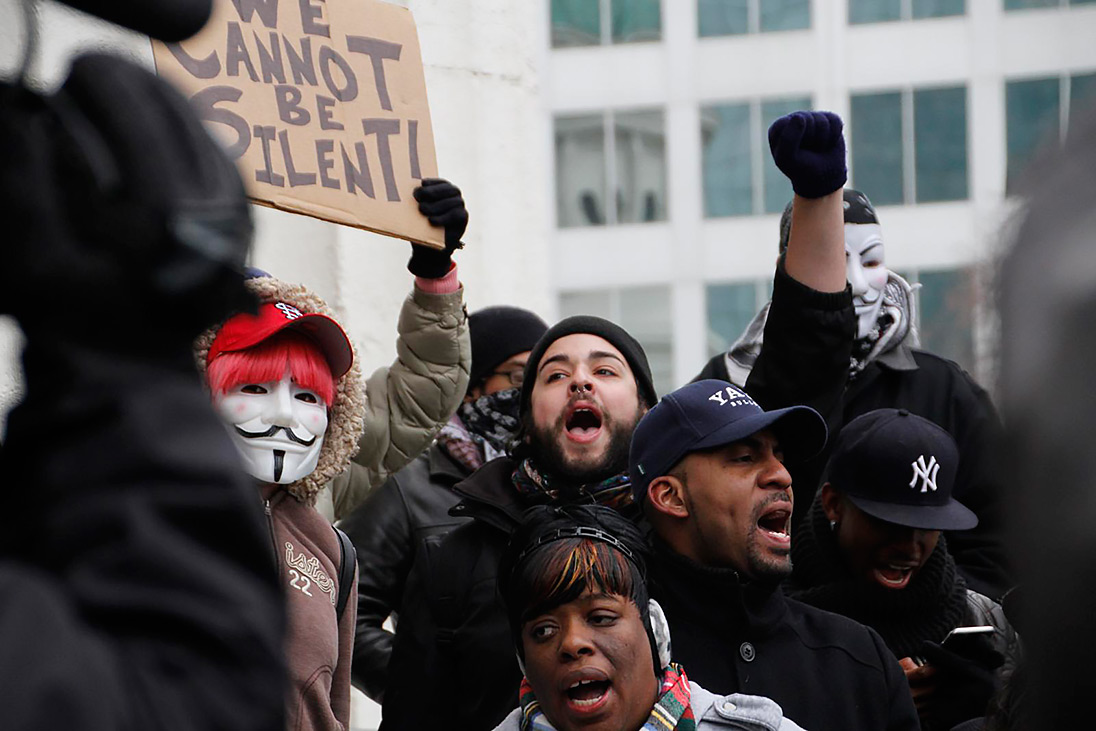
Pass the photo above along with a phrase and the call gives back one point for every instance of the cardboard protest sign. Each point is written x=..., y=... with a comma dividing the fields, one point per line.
x=321, y=102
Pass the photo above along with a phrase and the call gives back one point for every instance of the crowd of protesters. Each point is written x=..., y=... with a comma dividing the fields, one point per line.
x=222, y=523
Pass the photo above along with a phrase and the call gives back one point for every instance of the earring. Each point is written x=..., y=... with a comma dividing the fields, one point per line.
x=833, y=525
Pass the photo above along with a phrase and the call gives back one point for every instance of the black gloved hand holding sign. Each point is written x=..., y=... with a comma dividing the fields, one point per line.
x=441, y=202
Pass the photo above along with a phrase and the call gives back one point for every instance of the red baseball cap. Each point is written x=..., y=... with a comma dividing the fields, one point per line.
x=245, y=330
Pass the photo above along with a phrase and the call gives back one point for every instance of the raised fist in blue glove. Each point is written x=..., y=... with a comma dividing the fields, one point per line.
x=809, y=148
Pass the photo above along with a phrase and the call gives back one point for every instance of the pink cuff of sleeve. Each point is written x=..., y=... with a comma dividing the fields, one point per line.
x=445, y=285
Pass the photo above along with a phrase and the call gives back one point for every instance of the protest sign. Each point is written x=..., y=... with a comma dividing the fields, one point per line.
x=321, y=102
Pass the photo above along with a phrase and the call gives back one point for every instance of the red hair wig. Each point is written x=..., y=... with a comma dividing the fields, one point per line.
x=286, y=351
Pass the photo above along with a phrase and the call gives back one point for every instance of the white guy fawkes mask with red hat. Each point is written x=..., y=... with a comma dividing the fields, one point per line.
x=275, y=386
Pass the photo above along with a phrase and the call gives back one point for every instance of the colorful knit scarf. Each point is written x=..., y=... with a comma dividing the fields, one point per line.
x=482, y=429
x=672, y=711
x=614, y=492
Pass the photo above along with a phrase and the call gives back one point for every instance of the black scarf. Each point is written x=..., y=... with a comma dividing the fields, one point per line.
x=931, y=605
x=482, y=429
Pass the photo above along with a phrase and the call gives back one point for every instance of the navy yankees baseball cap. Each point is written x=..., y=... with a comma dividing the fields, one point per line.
x=899, y=467
x=711, y=413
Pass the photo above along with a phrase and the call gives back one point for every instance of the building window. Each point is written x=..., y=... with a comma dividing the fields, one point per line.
x=624, y=152
x=731, y=307
x=946, y=302
x=910, y=146
x=602, y=22
x=644, y=312
x=737, y=17
x=740, y=178
x=1026, y=4
x=879, y=11
x=1040, y=110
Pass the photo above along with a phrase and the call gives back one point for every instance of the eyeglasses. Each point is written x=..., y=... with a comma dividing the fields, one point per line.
x=516, y=376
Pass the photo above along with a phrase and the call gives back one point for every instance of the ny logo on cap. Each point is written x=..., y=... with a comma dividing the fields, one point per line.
x=290, y=312
x=926, y=472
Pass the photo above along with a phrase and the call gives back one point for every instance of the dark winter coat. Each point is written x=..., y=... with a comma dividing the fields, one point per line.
x=935, y=601
x=807, y=346
x=137, y=589
x=389, y=530
x=825, y=671
x=453, y=663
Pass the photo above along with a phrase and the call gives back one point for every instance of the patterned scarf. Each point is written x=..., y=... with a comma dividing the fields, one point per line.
x=614, y=492
x=672, y=711
x=894, y=328
x=482, y=430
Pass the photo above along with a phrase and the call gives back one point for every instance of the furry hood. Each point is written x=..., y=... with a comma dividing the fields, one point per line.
x=346, y=416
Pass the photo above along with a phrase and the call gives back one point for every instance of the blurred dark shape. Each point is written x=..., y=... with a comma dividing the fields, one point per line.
x=112, y=187
x=1048, y=394
x=589, y=208
x=137, y=585
x=166, y=20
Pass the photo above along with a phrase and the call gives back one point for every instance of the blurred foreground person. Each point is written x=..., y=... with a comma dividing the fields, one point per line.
x=137, y=589
x=594, y=649
x=586, y=384
x=412, y=505
x=1048, y=346
x=871, y=549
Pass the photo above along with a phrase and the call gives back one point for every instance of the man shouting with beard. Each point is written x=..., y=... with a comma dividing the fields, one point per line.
x=586, y=385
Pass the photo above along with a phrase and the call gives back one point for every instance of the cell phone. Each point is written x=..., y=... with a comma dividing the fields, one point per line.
x=962, y=636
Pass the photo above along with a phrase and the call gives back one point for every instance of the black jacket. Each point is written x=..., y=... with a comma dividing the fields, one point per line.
x=389, y=530
x=827, y=672
x=453, y=663
x=137, y=584
x=804, y=359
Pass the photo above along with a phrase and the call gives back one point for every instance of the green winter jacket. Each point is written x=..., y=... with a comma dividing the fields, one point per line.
x=407, y=402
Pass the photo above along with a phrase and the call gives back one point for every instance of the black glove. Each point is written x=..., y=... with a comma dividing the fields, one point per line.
x=134, y=226
x=965, y=683
x=808, y=148
x=440, y=201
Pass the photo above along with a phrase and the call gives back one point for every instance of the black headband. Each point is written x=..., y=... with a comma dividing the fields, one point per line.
x=578, y=531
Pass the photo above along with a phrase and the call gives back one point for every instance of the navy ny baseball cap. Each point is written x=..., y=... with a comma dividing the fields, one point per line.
x=899, y=467
x=711, y=413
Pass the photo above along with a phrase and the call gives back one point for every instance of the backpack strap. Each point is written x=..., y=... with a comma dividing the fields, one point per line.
x=348, y=556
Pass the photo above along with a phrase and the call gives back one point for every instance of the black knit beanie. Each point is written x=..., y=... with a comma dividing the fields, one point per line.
x=858, y=209
x=499, y=333
x=628, y=346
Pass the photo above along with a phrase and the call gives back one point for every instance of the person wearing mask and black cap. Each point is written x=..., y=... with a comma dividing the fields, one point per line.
x=886, y=369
